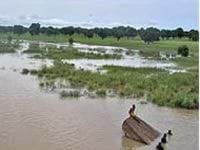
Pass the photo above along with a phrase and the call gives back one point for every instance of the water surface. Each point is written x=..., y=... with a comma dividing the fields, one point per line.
x=33, y=119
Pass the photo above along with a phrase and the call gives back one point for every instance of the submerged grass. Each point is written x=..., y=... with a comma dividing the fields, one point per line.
x=8, y=47
x=175, y=90
x=66, y=53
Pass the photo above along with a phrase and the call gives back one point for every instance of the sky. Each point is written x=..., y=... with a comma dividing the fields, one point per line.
x=101, y=13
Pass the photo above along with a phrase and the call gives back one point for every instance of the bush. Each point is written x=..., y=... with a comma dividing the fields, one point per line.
x=75, y=93
x=101, y=92
x=183, y=51
x=25, y=71
x=71, y=41
x=33, y=72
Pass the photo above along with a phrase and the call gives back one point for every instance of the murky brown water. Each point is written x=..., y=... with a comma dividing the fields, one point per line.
x=31, y=119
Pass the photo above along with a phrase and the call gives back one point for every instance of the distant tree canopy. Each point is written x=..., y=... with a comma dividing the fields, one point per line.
x=179, y=32
x=193, y=35
x=18, y=29
x=148, y=35
x=34, y=29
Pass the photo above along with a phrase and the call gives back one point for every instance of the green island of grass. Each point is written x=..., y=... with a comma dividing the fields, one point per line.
x=162, y=88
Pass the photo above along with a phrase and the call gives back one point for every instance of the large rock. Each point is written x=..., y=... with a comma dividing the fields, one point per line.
x=136, y=129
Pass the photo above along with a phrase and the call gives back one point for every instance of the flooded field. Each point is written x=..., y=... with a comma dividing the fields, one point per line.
x=128, y=60
x=33, y=119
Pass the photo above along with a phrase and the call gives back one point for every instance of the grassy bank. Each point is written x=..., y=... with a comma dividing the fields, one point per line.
x=176, y=90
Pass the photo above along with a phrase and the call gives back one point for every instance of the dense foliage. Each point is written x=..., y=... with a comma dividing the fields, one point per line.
x=183, y=51
x=148, y=35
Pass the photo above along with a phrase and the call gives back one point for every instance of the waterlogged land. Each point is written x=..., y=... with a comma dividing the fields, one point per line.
x=8, y=47
x=109, y=71
x=94, y=82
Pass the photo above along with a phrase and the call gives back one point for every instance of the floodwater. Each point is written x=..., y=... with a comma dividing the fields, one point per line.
x=36, y=120
x=127, y=60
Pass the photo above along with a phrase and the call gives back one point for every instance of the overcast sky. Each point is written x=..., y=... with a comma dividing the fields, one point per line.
x=90, y=13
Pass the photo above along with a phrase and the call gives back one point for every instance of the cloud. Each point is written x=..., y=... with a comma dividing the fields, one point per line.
x=26, y=20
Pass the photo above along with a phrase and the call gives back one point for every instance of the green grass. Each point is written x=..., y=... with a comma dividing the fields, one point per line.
x=6, y=47
x=132, y=43
x=176, y=90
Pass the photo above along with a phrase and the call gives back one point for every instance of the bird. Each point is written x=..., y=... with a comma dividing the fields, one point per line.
x=164, y=138
x=159, y=146
x=169, y=132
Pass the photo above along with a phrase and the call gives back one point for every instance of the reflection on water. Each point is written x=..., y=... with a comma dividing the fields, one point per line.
x=31, y=119
x=137, y=62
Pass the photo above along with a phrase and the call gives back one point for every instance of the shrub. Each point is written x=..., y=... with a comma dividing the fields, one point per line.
x=33, y=72
x=70, y=94
x=71, y=41
x=101, y=92
x=183, y=51
x=25, y=71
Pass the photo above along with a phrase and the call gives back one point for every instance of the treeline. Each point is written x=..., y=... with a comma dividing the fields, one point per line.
x=148, y=35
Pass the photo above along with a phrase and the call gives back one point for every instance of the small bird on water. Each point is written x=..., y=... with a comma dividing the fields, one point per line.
x=169, y=132
x=159, y=146
x=164, y=138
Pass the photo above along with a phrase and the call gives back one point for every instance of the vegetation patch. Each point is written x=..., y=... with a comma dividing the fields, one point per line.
x=8, y=47
x=68, y=53
x=150, y=54
x=34, y=48
x=175, y=90
x=74, y=93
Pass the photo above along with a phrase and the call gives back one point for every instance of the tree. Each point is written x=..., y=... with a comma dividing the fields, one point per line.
x=102, y=33
x=34, y=29
x=168, y=34
x=43, y=30
x=18, y=29
x=4, y=29
x=150, y=35
x=119, y=32
x=68, y=30
x=173, y=34
x=183, y=51
x=194, y=35
x=131, y=32
x=89, y=33
x=71, y=41
x=179, y=32
x=163, y=34
x=51, y=31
